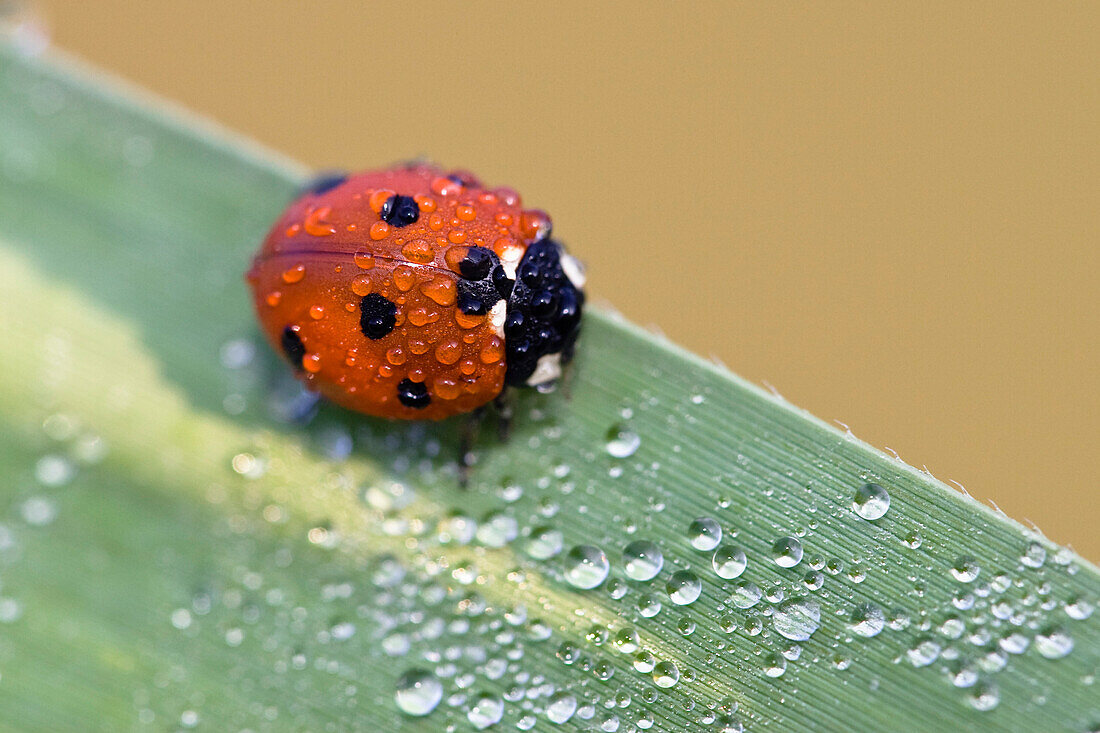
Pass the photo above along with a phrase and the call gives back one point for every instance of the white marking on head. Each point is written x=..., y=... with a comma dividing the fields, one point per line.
x=496, y=317
x=510, y=260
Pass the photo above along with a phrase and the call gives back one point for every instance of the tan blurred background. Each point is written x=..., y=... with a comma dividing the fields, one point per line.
x=890, y=214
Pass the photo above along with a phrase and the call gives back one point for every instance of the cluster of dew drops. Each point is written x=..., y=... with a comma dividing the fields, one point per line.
x=968, y=649
x=966, y=640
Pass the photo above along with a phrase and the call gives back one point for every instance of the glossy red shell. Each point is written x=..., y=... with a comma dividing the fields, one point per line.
x=329, y=250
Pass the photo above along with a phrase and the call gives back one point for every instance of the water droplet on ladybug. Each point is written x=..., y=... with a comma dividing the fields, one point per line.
x=379, y=230
x=294, y=274
x=441, y=290
x=419, y=250
x=364, y=259
x=448, y=352
x=361, y=285
x=404, y=278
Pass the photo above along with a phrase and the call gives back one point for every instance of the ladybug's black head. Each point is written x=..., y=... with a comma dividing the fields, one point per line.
x=544, y=315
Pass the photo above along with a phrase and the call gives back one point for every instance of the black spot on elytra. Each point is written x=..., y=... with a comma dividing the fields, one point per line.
x=413, y=394
x=470, y=300
x=476, y=264
x=544, y=312
x=323, y=183
x=400, y=211
x=377, y=316
x=483, y=283
x=293, y=347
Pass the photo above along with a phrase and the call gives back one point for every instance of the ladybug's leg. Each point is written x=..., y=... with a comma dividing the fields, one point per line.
x=471, y=426
x=505, y=407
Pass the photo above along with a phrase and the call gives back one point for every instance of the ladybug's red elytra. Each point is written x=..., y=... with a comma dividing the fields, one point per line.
x=413, y=293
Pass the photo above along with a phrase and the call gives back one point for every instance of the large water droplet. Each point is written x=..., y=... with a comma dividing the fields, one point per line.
x=561, y=707
x=642, y=560
x=867, y=620
x=729, y=561
x=871, y=501
x=797, y=619
x=621, y=442
x=666, y=674
x=418, y=692
x=586, y=566
x=787, y=552
x=486, y=710
x=683, y=587
x=704, y=533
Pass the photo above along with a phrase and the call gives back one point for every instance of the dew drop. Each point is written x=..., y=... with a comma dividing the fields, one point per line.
x=984, y=696
x=586, y=566
x=621, y=442
x=871, y=501
x=775, y=665
x=649, y=605
x=1053, y=642
x=626, y=641
x=962, y=674
x=813, y=580
x=544, y=543
x=561, y=708
x=787, y=552
x=54, y=470
x=642, y=560
x=746, y=594
x=924, y=652
x=666, y=674
x=1078, y=608
x=867, y=620
x=418, y=692
x=797, y=619
x=1034, y=555
x=38, y=511
x=966, y=570
x=704, y=533
x=486, y=710
x=729, y=561
x=497, y=530
x=683, y=587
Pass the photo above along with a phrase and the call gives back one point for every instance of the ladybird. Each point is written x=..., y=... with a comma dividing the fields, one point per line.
x=414, y=293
